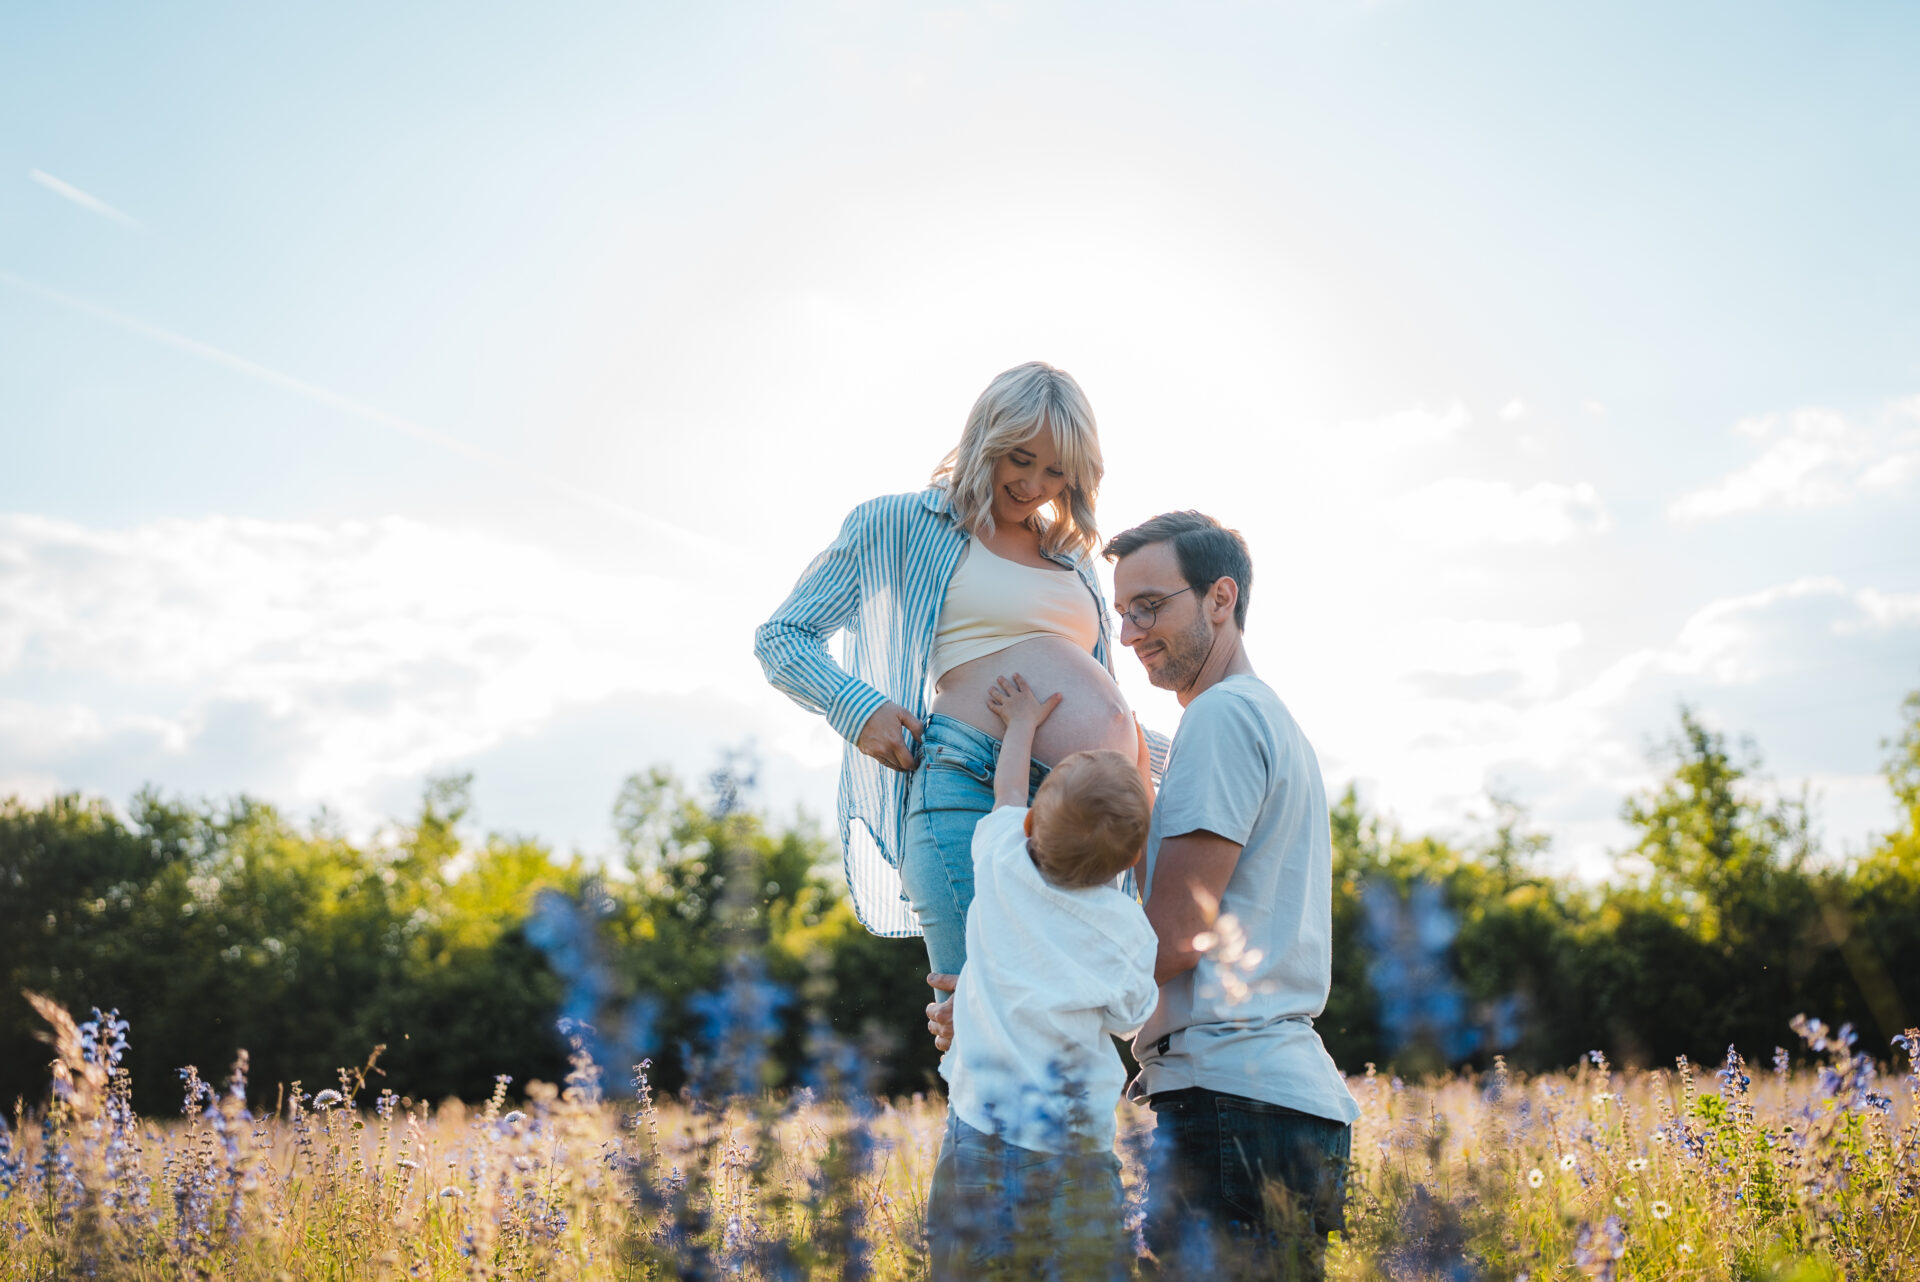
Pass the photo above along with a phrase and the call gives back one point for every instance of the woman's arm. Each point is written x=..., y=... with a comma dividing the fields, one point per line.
x=792, y=649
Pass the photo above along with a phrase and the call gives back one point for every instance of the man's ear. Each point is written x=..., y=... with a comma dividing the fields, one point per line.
x=1222, y=597
x=1027, y=823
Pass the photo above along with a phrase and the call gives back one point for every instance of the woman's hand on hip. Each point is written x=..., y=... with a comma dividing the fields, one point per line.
x=882, y=740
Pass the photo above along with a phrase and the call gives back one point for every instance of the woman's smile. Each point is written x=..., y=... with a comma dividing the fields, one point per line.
x=1026, y=478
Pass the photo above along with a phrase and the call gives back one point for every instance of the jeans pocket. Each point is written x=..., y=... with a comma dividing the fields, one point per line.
x=939, y=756
x=1281, y=1168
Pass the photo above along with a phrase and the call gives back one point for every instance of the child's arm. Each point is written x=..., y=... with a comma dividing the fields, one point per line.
x=1014, y=704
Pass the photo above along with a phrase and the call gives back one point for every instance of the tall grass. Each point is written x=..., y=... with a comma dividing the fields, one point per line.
x=1681, y=1173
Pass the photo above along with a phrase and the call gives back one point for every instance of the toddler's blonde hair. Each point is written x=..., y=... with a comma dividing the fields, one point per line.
x=1089, y=819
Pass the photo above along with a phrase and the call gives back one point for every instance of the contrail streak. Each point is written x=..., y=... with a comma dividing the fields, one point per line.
x=372, y=414
x=83, y=199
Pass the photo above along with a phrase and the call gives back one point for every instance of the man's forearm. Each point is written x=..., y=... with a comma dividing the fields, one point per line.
x=1189, y=882
x=1176, y=924
x=1015, y=767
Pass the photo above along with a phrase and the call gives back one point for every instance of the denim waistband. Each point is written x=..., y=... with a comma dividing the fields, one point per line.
x=981, y=747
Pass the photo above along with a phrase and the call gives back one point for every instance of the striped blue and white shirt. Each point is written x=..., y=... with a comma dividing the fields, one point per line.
x=882, y=581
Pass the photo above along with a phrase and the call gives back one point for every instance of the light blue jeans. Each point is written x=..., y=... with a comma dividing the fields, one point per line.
x=951, y=792
x=996, y=1209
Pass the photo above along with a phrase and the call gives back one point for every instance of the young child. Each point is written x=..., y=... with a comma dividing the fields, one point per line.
x=1058, y=959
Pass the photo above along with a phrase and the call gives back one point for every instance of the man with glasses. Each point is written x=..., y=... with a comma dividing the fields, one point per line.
x=1253, y=1130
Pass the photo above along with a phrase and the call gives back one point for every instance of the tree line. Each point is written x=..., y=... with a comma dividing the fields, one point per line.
x=717, y=940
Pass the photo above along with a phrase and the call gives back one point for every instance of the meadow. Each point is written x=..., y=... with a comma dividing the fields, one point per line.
x=1803, y=1170
x=733, y=1092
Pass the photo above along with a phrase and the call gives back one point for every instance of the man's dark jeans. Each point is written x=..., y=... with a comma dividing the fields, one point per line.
x=1268, y=1176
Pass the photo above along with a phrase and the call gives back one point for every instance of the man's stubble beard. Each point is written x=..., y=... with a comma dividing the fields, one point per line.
x=1186, y=656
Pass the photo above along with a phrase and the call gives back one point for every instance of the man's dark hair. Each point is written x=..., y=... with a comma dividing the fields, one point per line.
x=1206, y=550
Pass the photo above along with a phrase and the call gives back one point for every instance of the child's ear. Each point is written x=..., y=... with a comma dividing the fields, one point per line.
x=1027, y=823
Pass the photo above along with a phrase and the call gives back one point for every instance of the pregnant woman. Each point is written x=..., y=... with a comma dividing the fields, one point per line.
x=986, y=572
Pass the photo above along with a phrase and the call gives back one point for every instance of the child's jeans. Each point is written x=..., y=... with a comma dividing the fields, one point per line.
x=998, y=1210
x=951, y=792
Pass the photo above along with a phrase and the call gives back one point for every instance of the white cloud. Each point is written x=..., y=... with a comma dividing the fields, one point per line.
x=324, y=661
x=1734, y=640
x=1814, y=668
x=1812, y=458
x=1883, y=610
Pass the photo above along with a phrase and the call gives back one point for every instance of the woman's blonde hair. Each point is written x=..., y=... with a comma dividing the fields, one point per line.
x=1016, y=405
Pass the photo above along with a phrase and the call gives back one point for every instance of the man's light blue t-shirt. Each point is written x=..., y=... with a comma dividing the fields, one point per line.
x=1242, y=1020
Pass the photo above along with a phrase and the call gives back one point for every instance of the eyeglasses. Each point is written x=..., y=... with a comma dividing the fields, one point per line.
x=1142, y=615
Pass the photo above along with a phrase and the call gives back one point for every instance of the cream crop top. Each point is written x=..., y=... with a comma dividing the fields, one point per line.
x=992, y=603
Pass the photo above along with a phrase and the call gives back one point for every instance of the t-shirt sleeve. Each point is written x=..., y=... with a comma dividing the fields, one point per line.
x=1218, y=777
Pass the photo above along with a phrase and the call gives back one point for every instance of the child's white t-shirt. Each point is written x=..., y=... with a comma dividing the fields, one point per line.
x=1050, y=973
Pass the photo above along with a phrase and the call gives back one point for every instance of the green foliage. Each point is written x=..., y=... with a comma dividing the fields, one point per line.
x=216, y=926
x=1734, y=926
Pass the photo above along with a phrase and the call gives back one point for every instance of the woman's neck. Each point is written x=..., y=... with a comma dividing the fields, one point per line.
x=1014, y=542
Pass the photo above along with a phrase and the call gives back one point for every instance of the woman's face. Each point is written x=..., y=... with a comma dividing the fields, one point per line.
x=1026, y=478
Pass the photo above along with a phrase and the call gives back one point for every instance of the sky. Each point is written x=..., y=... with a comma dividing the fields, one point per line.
x=389, y=391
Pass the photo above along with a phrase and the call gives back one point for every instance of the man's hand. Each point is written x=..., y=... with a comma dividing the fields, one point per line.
x=1016, y=705
x=940, y=1014
x=881, y=739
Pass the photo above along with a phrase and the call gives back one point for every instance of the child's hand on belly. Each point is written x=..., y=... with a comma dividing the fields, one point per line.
x=1016, y=705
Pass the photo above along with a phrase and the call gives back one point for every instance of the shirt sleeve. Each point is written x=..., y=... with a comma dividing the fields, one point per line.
x=1158, y=745
x=1218, y=776
x=1130, y=1011
x=1000, y=835
x=792, y=645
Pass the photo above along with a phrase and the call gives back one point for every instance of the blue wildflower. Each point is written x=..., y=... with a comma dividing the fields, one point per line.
x=1412, y=971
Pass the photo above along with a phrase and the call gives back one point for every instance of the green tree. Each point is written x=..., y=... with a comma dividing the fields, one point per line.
x=1350, y=1024
x=1718, y=851
x=1872, y=912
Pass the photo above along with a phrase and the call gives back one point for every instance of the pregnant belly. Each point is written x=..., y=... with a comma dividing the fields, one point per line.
x=1092, y=712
